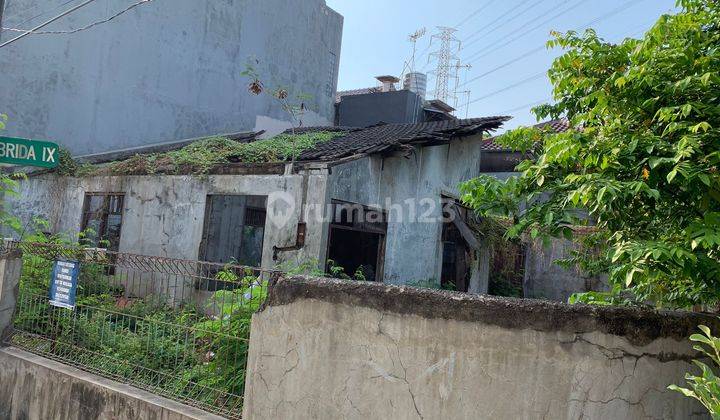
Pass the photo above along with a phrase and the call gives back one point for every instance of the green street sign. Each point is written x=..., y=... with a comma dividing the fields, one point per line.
x=29, y=152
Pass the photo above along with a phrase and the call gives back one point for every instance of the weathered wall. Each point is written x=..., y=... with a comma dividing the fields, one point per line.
x=410, y=190
x=10, y=269
x=167, y=70
x=545, y=279
x=164, y=215
x=32, y=387
x=339, y=349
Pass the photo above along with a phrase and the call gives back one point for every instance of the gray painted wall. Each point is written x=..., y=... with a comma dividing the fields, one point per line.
x=413, y=249
x=167, y=70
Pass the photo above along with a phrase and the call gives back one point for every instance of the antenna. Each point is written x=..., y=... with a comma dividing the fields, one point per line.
x=413, y=37
x=444, y=56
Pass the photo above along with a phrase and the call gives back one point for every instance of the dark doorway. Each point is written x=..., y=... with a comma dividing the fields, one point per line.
x=234, y=229
x=357, y=241
x=458, y=240
x=455, y=260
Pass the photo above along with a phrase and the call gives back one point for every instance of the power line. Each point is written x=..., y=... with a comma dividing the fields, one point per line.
x=462, y=22
x=505, y=64
x=91, y=25
x=473, y=14
x=512, y=9
x=46, y=23
x=636, y=30
x=506, y=88
x=542, y=47
x=30, y=19
x=484, y=53
x=489, y=29
x=528, y=105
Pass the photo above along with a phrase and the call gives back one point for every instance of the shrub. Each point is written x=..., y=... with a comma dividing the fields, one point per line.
x=706, y=387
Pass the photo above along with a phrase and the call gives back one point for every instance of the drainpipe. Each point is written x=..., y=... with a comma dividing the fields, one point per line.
x=302, y=225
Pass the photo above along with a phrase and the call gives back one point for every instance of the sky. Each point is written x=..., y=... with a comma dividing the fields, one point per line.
x=503, y=41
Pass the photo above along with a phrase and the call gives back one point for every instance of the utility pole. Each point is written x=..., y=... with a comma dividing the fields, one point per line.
x=444, y=56
x=459, y=66
x=467, y=101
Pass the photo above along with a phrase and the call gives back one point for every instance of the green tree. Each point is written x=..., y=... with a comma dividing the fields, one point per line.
x=642, y=165
x=8, y=186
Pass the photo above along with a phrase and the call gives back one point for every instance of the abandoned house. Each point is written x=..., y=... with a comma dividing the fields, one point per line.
x=380, y=202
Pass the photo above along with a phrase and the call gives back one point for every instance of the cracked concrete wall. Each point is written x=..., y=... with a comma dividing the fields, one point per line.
x=10, y=269
x=32, y=387
x=331, y=349
x=165, y=70
x=545, y=279
x=163, y=215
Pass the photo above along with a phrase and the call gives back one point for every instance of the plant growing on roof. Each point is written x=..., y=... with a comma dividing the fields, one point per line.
x=293, y=104
x=644, y=167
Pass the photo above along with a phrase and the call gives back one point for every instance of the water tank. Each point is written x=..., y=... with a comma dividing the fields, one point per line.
x=416, y=82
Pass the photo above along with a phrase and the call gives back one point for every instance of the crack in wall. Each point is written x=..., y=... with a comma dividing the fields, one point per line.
x=397, y=349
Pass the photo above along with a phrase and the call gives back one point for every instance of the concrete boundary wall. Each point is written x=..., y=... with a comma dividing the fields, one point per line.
x=33, y=387
x=327, y=349
x=10, y=270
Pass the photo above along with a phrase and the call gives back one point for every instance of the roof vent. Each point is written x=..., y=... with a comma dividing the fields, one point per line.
x=388, y=82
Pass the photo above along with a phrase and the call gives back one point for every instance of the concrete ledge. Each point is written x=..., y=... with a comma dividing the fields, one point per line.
x=33, y=387
x=638, y=326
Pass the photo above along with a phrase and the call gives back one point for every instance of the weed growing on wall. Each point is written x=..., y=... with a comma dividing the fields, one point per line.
x=706, y=387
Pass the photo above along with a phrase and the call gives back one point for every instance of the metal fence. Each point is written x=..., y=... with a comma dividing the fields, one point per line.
x=174, y=327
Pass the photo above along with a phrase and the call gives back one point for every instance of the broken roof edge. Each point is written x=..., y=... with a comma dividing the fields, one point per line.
x=387, y=138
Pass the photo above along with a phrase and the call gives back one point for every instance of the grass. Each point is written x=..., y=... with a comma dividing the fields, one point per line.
x=202, y=156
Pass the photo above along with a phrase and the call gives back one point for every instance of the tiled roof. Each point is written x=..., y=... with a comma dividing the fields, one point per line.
x=555, y=126
x=389, y=137
x=316, y=128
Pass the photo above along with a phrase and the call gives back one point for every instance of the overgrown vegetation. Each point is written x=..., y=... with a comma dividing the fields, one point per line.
x=643, y=166
x=203, y=155
x=178, y=350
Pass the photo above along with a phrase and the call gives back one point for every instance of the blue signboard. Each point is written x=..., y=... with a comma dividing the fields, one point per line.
x=63, y=283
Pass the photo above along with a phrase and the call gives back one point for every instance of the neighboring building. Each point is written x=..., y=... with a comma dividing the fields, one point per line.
x=387, y=104
x=381, y=202
x=532, y=264
x=165, y=70
x=372, y=200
